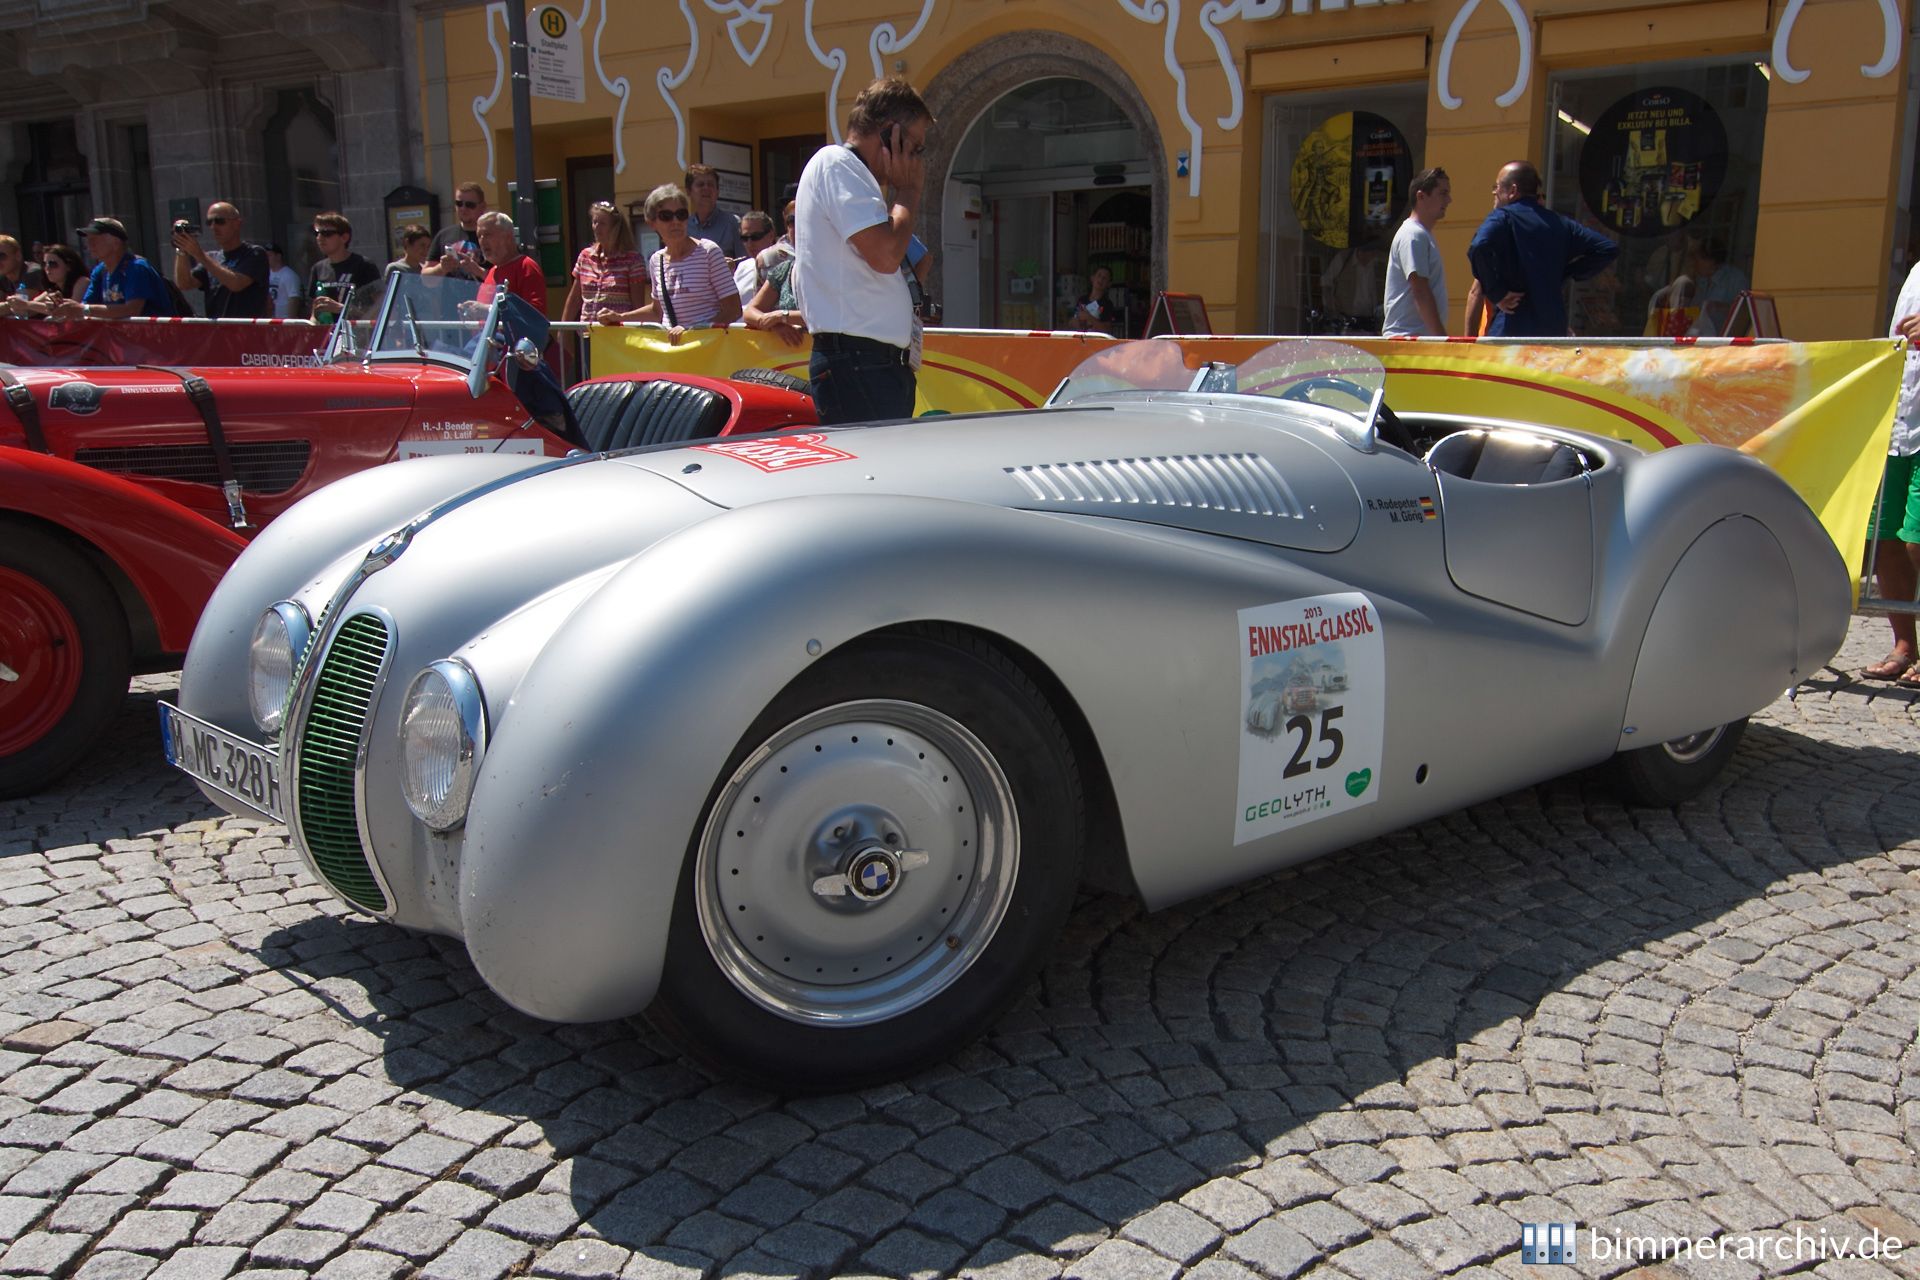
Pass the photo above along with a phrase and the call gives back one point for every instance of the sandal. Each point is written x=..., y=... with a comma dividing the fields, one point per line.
x=1891, y=667
x=1908, y=679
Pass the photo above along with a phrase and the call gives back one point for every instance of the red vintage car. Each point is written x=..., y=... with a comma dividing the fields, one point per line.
x=126, y=492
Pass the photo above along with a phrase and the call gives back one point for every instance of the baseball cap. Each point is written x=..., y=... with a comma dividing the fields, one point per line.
x=275, y=248
x=104, y=226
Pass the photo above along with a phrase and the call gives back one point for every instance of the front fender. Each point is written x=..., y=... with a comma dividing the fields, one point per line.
x=597, y=776
x=284, y=559
x=173, y=557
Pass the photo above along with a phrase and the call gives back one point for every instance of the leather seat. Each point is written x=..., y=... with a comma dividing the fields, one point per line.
x=625, y=415
x=1505, y=457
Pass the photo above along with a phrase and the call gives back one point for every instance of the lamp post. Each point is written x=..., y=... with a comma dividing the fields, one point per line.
x=524, y=217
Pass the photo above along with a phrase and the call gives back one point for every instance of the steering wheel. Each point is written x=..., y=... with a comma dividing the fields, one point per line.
x=1388, y=427
x=1303, y=390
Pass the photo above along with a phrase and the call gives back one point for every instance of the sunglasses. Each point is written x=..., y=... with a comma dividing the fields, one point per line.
x=217, y=222
x=670, y=215
x=760, y=235
x=322, y=233
x=466, y=204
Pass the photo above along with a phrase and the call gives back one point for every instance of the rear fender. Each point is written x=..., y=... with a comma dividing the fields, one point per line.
x=597, y=775
x=171, y=557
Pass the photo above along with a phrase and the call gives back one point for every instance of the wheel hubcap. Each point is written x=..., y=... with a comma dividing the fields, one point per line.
x=1694, y=746
x=41, y=660
x=857, y=863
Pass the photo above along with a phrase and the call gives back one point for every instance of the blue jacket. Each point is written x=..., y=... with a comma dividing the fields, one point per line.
x=1525, y=247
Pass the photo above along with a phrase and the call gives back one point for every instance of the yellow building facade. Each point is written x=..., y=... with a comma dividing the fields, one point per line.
x=1254, y=152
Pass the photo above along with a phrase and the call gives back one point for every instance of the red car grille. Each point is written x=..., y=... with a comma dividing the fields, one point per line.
x=270, y=466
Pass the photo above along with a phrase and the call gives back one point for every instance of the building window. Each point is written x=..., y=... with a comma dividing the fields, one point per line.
x=1666, y=160
x=303, y=172
x=1338, y=167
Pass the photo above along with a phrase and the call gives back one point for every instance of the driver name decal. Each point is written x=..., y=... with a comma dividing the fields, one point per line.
x=1313, y=710
x=1405, y=510
x=782, y=453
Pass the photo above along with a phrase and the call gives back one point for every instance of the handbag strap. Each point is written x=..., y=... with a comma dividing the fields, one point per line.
x=666, y=298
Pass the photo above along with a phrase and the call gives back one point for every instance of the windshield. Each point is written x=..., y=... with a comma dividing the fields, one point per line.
x=412, y=316
x=1338, y=384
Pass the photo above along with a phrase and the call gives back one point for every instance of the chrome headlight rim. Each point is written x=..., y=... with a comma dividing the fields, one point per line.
x=449, y=812
x=297, y=628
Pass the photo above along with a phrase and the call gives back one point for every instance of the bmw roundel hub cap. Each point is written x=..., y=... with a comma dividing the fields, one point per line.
x=873, y=875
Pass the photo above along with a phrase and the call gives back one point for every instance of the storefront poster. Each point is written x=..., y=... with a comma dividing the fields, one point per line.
x=1654, y=161
x=1313, y=706
x=1819, y=413
x=1350, y=180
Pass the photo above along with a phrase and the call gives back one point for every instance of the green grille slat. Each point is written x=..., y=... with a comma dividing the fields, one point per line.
x=342, y=693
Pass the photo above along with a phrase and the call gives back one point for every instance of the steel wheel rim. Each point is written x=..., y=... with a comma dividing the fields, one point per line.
x=43, y=658
x=835, y=794
x=1695, y=746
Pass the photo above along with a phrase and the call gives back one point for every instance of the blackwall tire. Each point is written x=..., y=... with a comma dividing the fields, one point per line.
x=64, y=658
x=883, y=865
x=773, y=378
x=1671, y=773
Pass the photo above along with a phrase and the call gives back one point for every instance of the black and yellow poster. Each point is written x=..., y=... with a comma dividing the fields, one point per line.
x=1654, y=161
x=1350, y=180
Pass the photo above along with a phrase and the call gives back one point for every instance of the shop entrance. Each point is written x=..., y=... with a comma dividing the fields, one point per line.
x=1055, y=181
x=1338, y=166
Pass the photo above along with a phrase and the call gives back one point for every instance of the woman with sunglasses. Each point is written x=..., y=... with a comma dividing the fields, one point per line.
x=66, y=273
x=609, y=278
x=691, y=282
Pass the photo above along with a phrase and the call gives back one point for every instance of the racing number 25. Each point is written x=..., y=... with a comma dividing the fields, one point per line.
x=1329, y=736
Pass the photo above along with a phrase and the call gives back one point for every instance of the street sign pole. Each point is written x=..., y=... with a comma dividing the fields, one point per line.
x=524, y=218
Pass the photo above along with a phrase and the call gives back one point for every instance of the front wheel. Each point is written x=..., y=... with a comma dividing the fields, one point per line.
x=64, y=658
x=894, y=845
x=1669, y=773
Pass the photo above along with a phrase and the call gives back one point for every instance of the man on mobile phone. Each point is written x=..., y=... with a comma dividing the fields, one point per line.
x=849, y=246
x=456, y=250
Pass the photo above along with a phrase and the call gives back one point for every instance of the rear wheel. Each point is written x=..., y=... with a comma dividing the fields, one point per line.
x=64, y=658
x=895, y=844
x=1669, y=773
x=773, y=378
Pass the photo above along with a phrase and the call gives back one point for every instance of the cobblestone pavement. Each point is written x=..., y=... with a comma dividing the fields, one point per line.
x=1547, y=1008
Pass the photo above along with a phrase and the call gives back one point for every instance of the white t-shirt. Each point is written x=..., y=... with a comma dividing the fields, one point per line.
x=1906, y=413
x=1413, y=253
x=837, y=291
x=746, y=278
x=284, y=286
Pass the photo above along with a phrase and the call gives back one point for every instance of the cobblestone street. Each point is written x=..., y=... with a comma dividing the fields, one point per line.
x=1547, y=1008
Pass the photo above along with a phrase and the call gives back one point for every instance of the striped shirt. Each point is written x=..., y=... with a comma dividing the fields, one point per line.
x=606, y=281
x=694, y=285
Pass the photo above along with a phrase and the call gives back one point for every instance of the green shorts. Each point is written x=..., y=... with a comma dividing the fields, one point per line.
x=1900, y=500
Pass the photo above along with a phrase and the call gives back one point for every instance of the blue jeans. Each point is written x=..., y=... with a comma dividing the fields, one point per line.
x=859, y=386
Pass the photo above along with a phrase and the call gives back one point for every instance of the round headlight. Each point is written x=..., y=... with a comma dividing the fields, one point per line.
x=279, y=638
x=443, y=736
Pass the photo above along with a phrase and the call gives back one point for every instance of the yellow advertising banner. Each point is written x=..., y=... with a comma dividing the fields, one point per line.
x=1819, y=413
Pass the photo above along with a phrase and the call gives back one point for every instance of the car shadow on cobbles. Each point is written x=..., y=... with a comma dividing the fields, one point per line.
x=1170, y=1081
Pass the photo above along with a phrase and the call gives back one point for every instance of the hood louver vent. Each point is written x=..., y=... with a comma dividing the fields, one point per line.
x=1241, y=483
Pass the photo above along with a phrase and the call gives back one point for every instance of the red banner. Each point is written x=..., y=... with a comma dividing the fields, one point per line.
x=62, y=344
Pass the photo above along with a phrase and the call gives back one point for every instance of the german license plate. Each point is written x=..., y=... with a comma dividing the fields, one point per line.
x=241, y=770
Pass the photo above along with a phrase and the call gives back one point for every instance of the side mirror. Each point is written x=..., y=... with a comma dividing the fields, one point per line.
x=526, y=355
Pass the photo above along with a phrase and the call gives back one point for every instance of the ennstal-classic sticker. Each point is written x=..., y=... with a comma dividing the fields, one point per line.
x=781, y=453
x=1313, y=705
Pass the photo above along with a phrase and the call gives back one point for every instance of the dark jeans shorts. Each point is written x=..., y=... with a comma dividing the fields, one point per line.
x=858, y=380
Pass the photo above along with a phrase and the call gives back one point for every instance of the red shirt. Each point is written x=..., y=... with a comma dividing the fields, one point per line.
x=523, y=278
x=606, y=281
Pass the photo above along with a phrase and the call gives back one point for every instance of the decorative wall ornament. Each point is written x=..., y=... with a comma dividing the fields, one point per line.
x=836, y=62
x=1889, y=49
x=746, y=14
x=483, y=105
x=886, y=40
x=620, y=87
x=1443, y=70
x=667, y=80
x=1154, y=12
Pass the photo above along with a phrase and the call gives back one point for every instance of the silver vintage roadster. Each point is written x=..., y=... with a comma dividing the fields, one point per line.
x=804, y=742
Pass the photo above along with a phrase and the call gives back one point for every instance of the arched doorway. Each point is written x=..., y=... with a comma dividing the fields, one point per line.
x=1052, y=166
x=300, y=150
